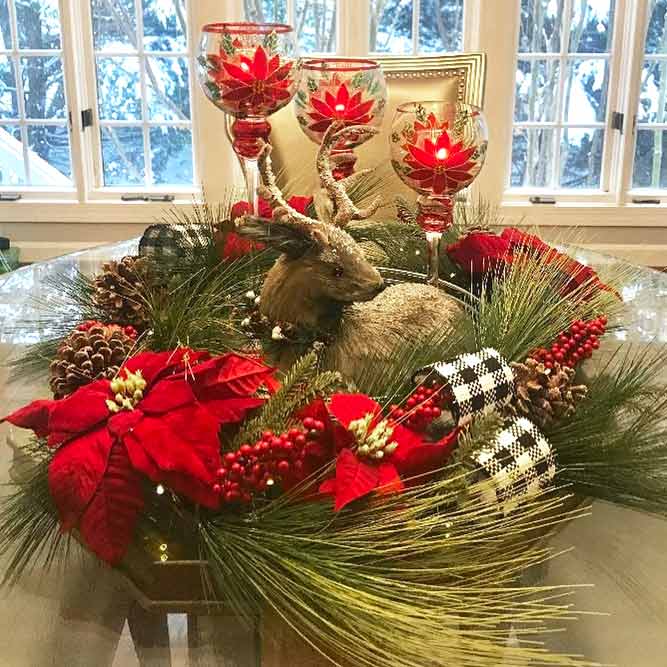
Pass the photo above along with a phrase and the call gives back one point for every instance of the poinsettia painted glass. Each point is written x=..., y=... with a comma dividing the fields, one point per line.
x=248, y=71
x=437, y=149
x=349, y=91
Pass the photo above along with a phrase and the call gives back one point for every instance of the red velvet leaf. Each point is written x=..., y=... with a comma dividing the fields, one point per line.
x=354, y=479
x=108, y=523
x=75, y=474
x=388, y=479
x=79, y=412
x=347, y=408
x=34, y=416
x=168, y=394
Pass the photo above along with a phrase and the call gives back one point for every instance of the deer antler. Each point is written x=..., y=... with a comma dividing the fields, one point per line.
x=344, y=207
x=269, y=190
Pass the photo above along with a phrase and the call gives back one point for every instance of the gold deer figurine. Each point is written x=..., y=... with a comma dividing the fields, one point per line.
x=323, y=281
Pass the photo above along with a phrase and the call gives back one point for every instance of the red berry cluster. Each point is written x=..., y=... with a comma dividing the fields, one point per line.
x=574, y=344
x=421, y=408
x=251, y=469
x=128, y=330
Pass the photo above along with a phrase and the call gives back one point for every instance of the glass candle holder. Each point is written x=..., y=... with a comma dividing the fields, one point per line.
x=248, y=71
x=348, y=90
x=437, y=149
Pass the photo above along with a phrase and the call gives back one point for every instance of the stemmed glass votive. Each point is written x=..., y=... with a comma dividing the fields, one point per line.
x=437, y=149
x=248, y=71
x=351, y=91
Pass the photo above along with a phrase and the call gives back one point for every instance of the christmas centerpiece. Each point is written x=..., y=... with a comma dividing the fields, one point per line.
x=273, y=390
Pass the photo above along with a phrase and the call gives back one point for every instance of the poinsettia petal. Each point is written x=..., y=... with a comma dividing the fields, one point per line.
x=322, y=107
x=388, y=479
x=238, y=73
x=75, y=472
x=107, y=526
x=460, y=158
x=230, y=375
x=260, y=66
x=328, y=487
x=320, y=126
x=231, y=410
x=443, y=141
x=360, y=110
x=34, y=416
x=424, y=158
x=184, y=441
x=354, y=479
x=439, y=183
x=124, y=421
x=80, y=411
x=166, y=395
x=330, y=100
x=238, y=95
x=424, y=458
x=343, y=96
x=347, y=408
x=274, y=63
x=155, y=365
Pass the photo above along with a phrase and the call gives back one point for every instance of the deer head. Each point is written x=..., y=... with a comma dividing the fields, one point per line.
x=321, y=267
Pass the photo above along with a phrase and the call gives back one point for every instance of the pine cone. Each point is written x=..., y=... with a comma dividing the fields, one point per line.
x=117, y=291
x=87, y=355
x=545, y=395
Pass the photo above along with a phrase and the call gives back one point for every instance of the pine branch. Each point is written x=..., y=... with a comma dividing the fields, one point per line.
x=300, y=386
x=29, y=525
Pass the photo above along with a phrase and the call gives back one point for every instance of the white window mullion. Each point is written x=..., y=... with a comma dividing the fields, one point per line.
x=143, y=63
x=416, y=11
x=20, y=99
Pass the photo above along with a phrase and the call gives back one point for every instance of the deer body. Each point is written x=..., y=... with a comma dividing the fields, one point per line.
x=323, y=278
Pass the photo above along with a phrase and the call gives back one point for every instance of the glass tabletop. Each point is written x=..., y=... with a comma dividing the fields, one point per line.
x=87, y=615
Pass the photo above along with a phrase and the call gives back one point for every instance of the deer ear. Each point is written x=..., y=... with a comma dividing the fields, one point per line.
x=293, y=241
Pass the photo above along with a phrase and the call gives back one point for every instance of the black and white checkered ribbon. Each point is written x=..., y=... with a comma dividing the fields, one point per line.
x=519, y=464
x=478, y=382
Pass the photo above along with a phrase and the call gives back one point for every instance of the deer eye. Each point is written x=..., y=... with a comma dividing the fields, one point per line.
x=338, y=271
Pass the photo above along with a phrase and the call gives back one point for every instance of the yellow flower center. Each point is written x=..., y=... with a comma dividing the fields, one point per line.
x=127, y=392
x=373, y=443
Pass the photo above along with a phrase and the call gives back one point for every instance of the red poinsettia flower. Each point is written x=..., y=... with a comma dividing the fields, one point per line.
x=160, y=419
x=480, y=252
x=358, y=424
x=260, y=84
x=438, y=165
x=351, y=110
x=576, y=273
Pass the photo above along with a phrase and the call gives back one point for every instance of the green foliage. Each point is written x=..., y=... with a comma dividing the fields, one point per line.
x=615, y=446
x=524, y=311
x=396, y=582
x=29, y=526
x=302, y=383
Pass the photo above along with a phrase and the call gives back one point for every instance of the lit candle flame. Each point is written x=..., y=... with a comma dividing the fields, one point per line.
x=340, y=107
x=441, y=154
x=245, y=67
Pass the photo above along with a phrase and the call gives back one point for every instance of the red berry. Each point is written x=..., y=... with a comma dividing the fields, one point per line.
x=548, y=364
x=246, y=450
x=230, y=458
x=300, y=440
x=293, y=433
x=308, y=423
x=548, y=358
x=575, y=358
x=559, y=357
x=595, y=344
x=220, y=472
x=283, y=467
x=267, y=435
x=236, y=468
x=436, y=412
x=411, y=402
x=217, y=488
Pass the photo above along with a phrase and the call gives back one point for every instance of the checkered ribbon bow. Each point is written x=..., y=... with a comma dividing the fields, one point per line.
x=519, y=464
x=478, y=382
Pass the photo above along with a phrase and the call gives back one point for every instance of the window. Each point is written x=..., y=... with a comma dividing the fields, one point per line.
x=315, y=20
x=142, y=75
x=650, y=158
x=34, y=133
x=415, y=26
x=562, y=91
x=409, y=27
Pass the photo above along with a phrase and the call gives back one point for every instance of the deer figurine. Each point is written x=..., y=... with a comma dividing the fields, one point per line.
x=323, y=281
